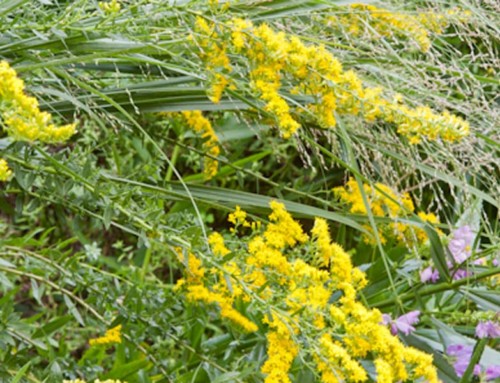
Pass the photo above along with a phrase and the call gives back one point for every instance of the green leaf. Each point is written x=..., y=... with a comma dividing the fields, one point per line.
x=487, y=300
x=227, y=377
x=52, y=326
x=231, y=198
x=123, y=371
x=6, y=263
x=73, y=310
x=21, y=373
x=437, y=252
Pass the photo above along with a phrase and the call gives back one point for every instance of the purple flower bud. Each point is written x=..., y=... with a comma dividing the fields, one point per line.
x=403, y=323
x=488, y=329
x=461, y=243
x=480, y=262
x=429, y=274
x=459, y=350
x=387, y=320
x=492, y=372
x=462, y=354
x=460, y=274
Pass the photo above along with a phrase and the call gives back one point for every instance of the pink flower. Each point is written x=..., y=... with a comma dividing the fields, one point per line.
x=492, y=372
x=461, y=274
x=403, y=323
x=429, y=274
x=461, y=244
x=462, y=354
x=488, y=329
x=461, y=358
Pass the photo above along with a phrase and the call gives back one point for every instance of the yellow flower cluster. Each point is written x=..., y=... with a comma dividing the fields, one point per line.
x=21, y=116
x=368, y=20
x=112, y=336
x=335, y=364
x=201, y=125
x=5, y=172
x=283, y=229
x=280, y=65
x=238, y=217
x=421, y=121
x=216, y=242
x=281, y=351
x=213, y=56
x=110, y=7
x=363, y=20
x=384, y=202
x=294, y=300
x=220, y=294
x=202, y=294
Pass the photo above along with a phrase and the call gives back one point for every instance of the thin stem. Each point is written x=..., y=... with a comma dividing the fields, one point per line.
x=429, y=290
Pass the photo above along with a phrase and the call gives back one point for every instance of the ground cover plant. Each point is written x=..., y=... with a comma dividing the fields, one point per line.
x=249, y=191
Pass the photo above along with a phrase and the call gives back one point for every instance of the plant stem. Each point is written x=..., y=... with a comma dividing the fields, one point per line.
x=145, y=263
x=439, y=288
x=175, y=155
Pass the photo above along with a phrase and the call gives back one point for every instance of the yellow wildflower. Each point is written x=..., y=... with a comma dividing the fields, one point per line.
x=216, y=242
x=239, y=27
x=368, y=20
x=5, y=172
x=382, y=201
x=112, y=336
x=110, y=7
x=321, y=234
x=384, y=371
x=427, y=217
x=423, y=364
x=281, y=351
x=279, y=63
x=334, y=361
x=193, y=265
x=202, y=294
x=201, y=125
x=228, y=312
x=214, y=57
x=22, y=118
x=303, y=316
x=283, y=230
x=238, y=217
x=262, y=255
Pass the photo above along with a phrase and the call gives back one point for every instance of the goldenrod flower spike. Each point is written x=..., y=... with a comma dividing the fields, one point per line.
x=112, y=336
x=21, y=116
x=5, y=172
x=385, y=202
x=202, y=126
x=278, y=63
x=299, y=317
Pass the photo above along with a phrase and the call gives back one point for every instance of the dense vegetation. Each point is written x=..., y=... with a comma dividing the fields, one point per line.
x=249, y=191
